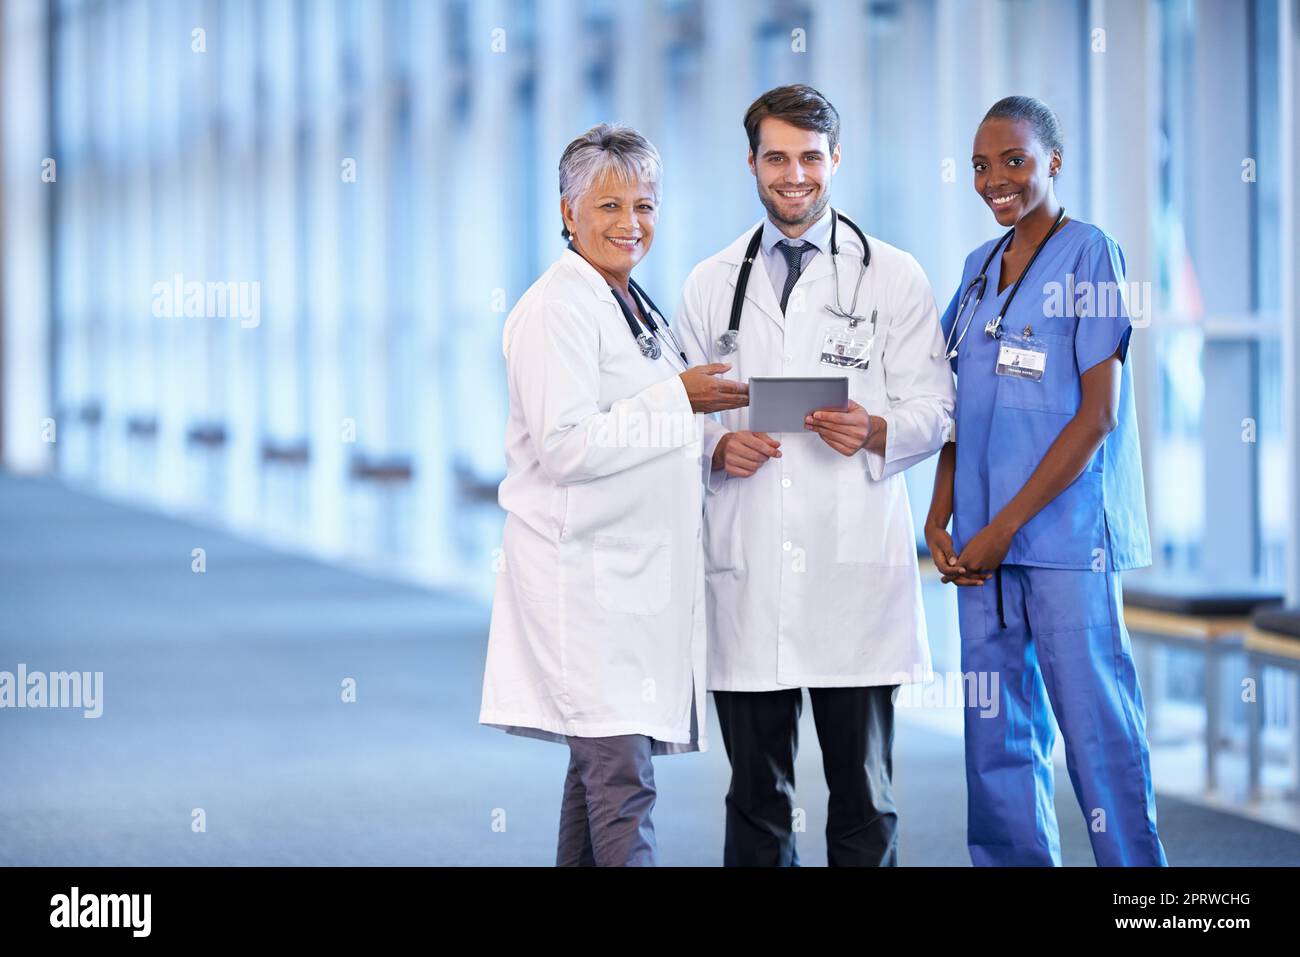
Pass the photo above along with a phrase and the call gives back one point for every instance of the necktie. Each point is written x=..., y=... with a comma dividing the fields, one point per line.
x=794, y=266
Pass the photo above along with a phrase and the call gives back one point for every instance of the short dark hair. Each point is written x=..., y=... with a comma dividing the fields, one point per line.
x=1047, y=128
x=799, y=105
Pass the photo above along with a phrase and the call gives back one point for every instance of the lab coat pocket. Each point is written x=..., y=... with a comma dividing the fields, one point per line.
x=722, y=524
x=873, y=524
x=528, y=564
x=1058, y=389
x=633, y=575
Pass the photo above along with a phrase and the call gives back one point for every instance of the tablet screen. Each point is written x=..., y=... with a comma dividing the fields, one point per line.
x=780, y=404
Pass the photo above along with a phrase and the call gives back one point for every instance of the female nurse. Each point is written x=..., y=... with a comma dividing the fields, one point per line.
x=1043, y=484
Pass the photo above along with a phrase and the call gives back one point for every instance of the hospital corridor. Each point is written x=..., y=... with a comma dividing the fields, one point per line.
x=937, y=466
x=221, y=690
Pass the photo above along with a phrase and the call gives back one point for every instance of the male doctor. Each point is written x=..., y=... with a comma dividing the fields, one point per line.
x=810, y=551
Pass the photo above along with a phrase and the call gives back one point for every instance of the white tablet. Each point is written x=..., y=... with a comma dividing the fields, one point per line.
x=780, y=403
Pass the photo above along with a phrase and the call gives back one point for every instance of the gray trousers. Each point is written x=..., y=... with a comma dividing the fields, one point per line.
x=609, y=793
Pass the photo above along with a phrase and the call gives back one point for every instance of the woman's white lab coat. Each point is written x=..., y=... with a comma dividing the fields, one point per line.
x=811, y=561
x=598, y=618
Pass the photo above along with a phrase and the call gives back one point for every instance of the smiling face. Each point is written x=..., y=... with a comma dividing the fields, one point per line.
x=613, y=224
x=793, y=169
x=1012, y=169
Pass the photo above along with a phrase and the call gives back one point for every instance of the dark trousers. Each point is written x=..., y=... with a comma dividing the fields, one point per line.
x=855, y=728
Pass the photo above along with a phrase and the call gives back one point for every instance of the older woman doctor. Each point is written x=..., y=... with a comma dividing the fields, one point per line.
x=597, y=635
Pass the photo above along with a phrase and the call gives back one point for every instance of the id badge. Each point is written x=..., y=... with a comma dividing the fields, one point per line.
x=1023, y=357
x=846, y=351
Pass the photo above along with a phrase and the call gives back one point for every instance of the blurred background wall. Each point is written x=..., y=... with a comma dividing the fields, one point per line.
x=363, y=188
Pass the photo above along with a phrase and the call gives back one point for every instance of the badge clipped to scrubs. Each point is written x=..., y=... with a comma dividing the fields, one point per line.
x=1022, y=356
x=846, y=350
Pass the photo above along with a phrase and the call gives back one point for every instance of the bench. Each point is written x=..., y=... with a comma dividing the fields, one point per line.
x=1209, y=618
x=1271, y=641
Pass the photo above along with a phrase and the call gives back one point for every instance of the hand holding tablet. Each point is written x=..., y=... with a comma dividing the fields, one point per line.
x=780, y=404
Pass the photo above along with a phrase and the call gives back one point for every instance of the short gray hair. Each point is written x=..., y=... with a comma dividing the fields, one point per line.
x=607, y=148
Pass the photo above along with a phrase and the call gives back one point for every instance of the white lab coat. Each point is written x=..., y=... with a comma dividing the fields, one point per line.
x=811, y=562
x=598, y=617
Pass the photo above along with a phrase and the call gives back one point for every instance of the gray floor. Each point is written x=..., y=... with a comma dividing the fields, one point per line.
x=222, y=692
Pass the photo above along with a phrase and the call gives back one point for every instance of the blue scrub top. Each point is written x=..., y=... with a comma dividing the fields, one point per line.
x=1073, y=301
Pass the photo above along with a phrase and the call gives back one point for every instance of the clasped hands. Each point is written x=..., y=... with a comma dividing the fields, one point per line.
x=982, y=554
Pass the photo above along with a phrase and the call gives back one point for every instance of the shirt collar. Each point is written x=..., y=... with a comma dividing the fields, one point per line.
x=819, y=233
x=588, y=272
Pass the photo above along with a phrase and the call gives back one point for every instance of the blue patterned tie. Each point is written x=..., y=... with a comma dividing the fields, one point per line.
x=794, y=266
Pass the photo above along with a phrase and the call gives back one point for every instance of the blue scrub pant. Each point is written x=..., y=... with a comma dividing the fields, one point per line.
x=1064, y=647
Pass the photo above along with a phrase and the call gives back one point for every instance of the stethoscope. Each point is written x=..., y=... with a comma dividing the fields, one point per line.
x=992, y=328
x=647, y=341
x=727, y=342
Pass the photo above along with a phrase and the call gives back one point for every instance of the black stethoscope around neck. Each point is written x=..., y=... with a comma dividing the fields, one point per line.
x=727, y=343
x=976, y=287
x=648, y=342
